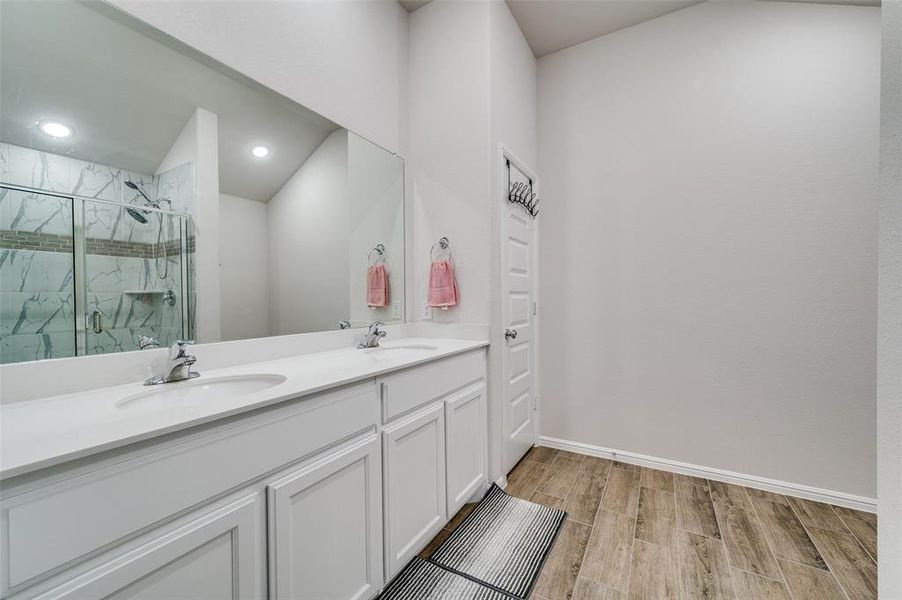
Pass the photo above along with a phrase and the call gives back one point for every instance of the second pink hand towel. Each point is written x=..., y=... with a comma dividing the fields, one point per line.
x=443, y=291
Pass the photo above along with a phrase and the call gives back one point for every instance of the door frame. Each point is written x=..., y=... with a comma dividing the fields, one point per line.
x=496, y=331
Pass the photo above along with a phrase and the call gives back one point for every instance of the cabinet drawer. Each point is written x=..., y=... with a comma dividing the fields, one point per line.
x=412, y=388
x=47, y=528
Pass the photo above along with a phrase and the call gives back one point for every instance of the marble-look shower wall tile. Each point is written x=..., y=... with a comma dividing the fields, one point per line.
x=93, y=180
x=58, y=173
x=36, y=312
x=4, y=161
x=119, y=273
x=147, y=183
x=35, y=271
x=125, y=310
x=106, y=222
x=41, y=170
x=122, y=339
x=38, y=213
x=20, y=348
x=167, y=335
x=178, y=186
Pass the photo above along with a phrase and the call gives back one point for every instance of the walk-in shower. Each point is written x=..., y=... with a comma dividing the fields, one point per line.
x=140, y=215
x=81, y=275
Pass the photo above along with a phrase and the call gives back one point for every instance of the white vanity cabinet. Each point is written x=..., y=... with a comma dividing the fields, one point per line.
x=465, y=445
x=325, y=526
x=434, y=450
x=326, y=495
x=414, y=475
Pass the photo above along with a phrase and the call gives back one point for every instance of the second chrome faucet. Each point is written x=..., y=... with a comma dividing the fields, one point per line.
x=372, y=336
x=178, y=366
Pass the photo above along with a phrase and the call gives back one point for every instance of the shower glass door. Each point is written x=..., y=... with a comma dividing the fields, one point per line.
x=135, y=282
x=37, y=276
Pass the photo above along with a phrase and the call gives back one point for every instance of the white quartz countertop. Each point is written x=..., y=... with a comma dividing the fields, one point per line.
x=35, y=434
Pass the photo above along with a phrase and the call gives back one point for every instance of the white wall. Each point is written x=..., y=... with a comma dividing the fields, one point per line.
x=513, y=115
x=308, y=252
x=472, y=84
x=709, y=240
x=448, y=159
x=244, y=269
x=890, y=323
x=199, y=142
x=345, y=60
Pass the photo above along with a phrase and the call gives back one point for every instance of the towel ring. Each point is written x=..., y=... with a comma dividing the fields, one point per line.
x=442, y=245
x=379, y=250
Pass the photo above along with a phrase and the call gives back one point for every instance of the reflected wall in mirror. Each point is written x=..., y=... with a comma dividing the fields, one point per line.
x=149, y=193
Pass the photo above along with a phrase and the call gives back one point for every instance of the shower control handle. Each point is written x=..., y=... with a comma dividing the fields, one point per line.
x=97, y=321
x=510, y=334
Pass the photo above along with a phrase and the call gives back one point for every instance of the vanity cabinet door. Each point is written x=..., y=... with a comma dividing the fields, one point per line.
x=465, y=426
x=216, y=554
x=325, y=526
x=414, y=480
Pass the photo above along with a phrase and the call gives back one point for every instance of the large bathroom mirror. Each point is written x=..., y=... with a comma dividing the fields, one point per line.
x=149, y=193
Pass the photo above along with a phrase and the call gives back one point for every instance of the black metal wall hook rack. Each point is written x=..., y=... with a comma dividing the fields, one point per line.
x=522, y=194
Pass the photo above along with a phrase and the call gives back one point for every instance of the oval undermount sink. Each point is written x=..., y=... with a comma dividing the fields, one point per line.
x=199, y=391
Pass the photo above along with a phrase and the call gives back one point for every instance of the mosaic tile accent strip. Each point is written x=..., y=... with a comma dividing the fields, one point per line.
x=51, y=242
x=28, y=240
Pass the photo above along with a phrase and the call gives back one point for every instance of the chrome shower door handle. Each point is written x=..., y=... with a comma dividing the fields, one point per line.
x=510, y=334
x=97, y=321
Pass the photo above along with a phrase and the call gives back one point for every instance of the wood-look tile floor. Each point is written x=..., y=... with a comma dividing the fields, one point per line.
x=638, y=533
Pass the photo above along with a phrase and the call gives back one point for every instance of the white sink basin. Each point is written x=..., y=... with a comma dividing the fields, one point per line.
x=200, y=391
x=402, y=347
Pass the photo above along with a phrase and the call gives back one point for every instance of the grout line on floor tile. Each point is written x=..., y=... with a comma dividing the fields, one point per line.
x=814, y=541
x=726, y=549
x=852, y=533
x=768, y=541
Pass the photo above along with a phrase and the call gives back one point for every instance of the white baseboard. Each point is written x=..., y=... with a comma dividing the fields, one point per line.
x=752, y=481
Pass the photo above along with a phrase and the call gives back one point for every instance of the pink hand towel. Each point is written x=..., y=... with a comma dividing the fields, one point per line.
x=443, y=290
x=377, y=286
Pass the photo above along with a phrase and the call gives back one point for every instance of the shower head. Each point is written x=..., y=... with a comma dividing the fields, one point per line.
x=137, y=215
x=135, y=187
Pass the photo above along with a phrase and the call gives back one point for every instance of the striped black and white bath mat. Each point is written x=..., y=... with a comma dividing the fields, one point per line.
x=502, y=543
x=421, y=580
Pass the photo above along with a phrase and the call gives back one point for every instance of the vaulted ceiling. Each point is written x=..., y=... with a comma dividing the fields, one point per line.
x=552, y=25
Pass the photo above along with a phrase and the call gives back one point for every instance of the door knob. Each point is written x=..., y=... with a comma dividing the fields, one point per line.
x=97, y=321
x=510, y=334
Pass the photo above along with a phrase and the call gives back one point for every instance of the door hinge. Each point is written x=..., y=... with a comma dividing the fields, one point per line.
x=535, y=308
x=535, y=403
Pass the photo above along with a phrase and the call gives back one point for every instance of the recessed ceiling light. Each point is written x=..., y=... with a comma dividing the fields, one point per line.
x=260, y=151
x=55, y=129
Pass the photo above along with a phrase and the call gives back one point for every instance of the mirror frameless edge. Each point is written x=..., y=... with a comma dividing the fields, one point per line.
x=110, y=233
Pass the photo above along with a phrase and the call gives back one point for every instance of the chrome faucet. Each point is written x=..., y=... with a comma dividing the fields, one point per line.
x=373, y=335
x=178, y=367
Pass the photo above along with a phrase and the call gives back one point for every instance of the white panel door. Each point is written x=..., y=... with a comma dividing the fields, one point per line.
x=414, y=482
x=465, y=426
x=517, y=315
x=325, y=527
x=214, y=556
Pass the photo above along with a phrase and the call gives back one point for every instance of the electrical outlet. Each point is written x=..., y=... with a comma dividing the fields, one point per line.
x=396, y=309
x=427, y=312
